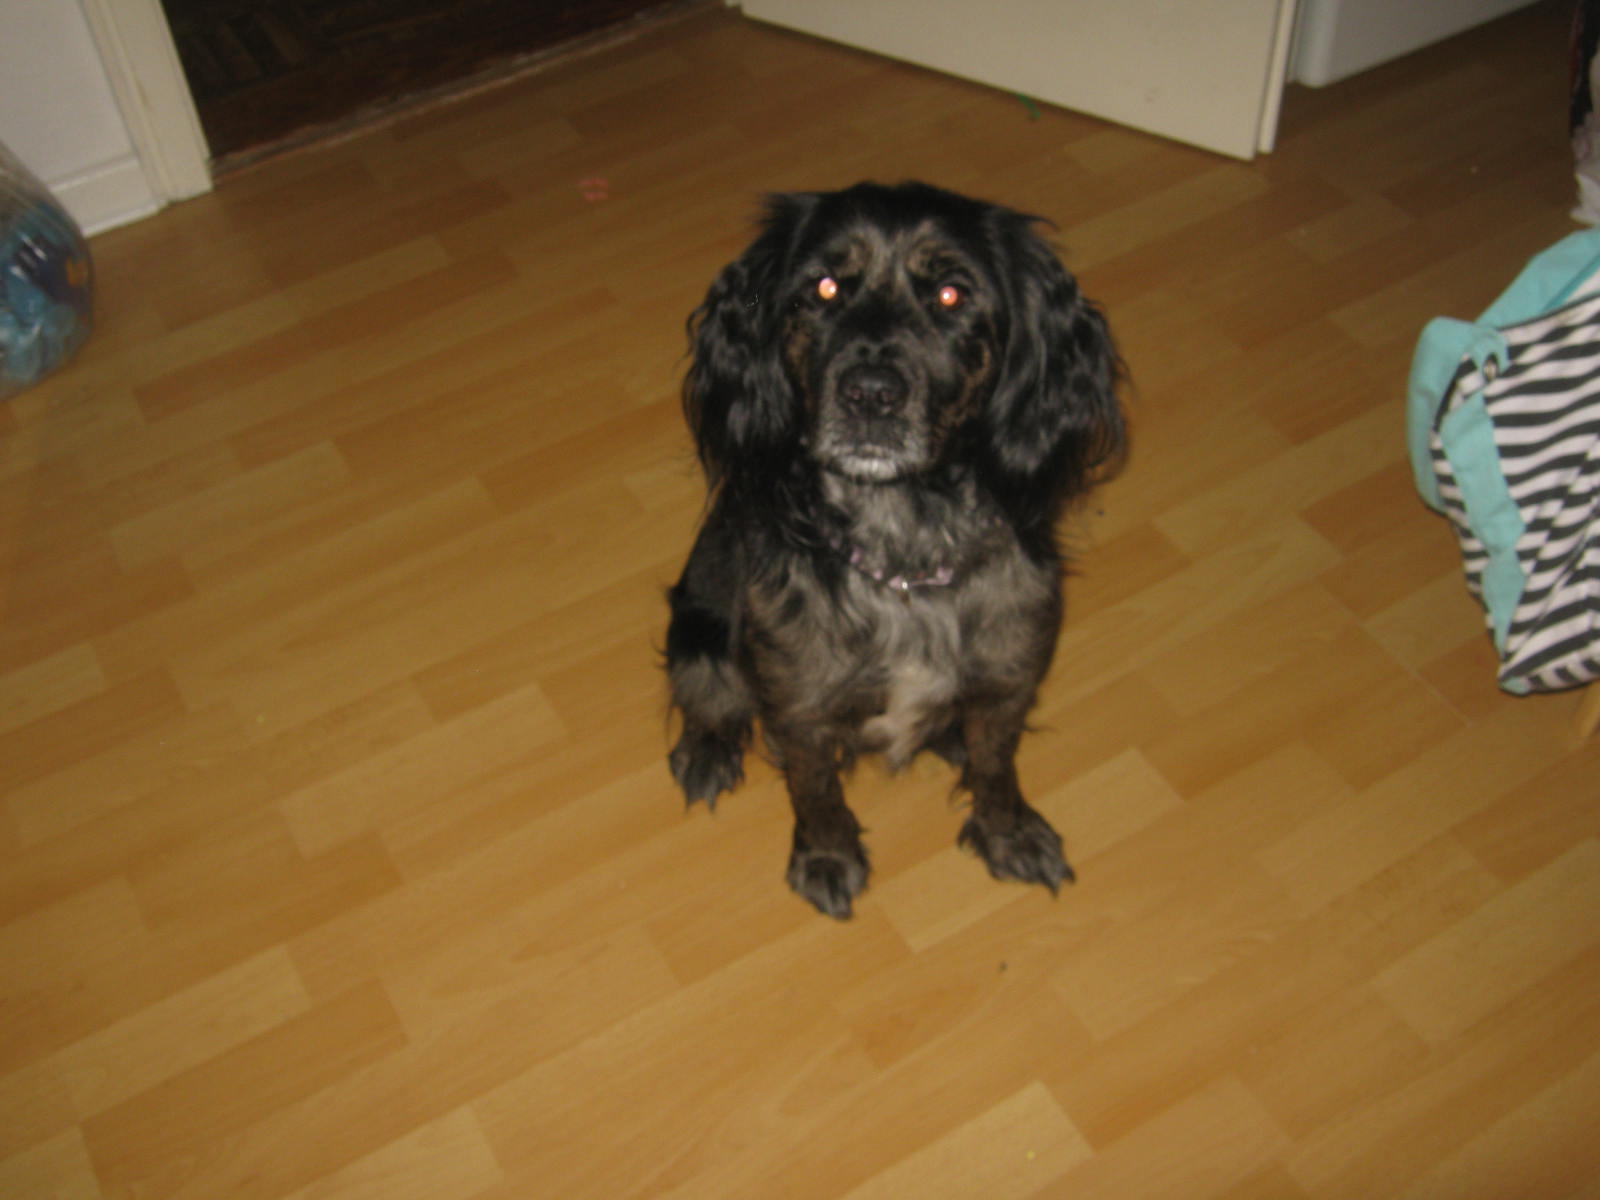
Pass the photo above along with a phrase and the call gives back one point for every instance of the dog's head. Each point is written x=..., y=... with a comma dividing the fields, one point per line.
x=882, y=333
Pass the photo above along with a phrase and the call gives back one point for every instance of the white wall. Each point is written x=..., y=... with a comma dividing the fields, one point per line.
x=59, y=116
x=1338, y=38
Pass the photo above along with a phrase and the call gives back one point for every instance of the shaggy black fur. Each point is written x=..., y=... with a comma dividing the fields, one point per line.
x=894, y=393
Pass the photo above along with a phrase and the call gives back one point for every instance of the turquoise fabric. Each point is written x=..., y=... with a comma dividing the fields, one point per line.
x=1445, y=344
x=1549, y=281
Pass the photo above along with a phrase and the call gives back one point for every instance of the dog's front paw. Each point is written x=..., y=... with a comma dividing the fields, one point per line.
x=829, y=878
x=1021, y=845
x=706, y=765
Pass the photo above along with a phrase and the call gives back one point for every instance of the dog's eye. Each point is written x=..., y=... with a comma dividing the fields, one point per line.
x=950, y=296
x=827, y=287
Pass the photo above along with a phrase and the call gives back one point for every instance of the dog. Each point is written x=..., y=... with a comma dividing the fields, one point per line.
x=894, y=393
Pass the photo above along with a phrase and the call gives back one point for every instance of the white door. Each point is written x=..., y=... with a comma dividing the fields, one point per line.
x=1207, y=72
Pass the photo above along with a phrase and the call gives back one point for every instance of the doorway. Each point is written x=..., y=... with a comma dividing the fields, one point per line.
x=266, y=72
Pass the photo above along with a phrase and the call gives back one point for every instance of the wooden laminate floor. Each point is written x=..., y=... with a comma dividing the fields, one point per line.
x=338, y=857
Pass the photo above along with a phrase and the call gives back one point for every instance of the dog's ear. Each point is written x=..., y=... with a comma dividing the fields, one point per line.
x=736, y=394
x=1054, y=423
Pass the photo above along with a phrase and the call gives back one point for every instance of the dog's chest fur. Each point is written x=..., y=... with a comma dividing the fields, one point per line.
x=930, y=598
x=912, y=676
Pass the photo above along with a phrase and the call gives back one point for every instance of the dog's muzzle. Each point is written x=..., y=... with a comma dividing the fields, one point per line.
x=870, y=426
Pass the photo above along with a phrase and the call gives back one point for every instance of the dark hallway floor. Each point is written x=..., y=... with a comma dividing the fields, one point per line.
x=262, y=71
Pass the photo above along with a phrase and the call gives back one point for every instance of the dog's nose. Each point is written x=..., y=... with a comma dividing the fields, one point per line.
x=872, y=391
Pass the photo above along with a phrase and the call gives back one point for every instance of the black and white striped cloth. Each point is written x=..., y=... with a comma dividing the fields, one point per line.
x=1542, y=398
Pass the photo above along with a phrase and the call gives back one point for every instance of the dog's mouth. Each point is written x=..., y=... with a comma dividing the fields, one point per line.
x=869, y=452
x=866, y=467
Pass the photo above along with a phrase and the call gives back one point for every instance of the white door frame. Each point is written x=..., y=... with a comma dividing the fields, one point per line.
x=147, y=79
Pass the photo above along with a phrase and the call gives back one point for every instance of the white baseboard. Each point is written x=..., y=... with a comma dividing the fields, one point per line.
x=107, y=195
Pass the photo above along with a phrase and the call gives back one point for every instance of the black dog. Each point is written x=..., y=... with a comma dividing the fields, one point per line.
x=894, y=392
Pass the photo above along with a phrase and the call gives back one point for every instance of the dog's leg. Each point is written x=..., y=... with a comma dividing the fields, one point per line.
x=950, y=744
x=707, y=686
x=1004, y=830
x=716, y=705
x=828, y=865
x=708, y=758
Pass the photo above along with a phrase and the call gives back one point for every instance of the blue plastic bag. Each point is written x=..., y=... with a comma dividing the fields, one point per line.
x=46, y=280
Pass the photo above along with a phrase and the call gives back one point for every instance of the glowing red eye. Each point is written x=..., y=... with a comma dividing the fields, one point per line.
x=950, y=295
x=827, y=287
